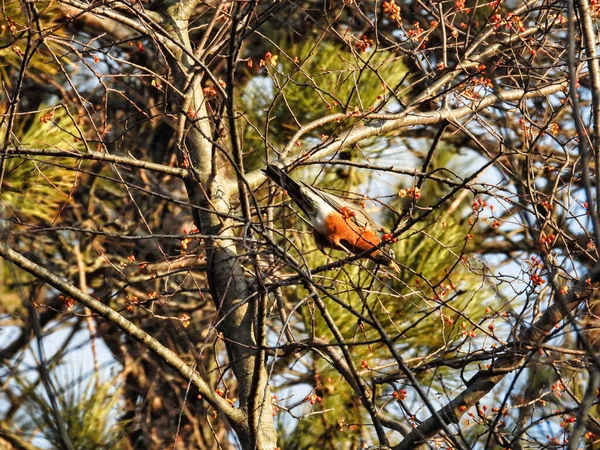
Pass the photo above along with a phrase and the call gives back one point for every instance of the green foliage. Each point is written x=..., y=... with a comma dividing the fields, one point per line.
x=327, y=79
x=88, y=411
x=35, y=190
x=432, y=254
x=11, y=296
x=421, y=314
x=13, y=40
x=438, y=315
x=335, y=424
x=416, y=296
x=435, y=287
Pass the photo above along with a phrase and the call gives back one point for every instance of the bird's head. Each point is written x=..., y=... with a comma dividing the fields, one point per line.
x=386, y=257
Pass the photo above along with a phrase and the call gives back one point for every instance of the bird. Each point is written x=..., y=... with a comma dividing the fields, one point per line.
x=336, y=223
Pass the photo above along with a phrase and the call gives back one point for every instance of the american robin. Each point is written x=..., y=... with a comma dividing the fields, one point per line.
x=336, y=223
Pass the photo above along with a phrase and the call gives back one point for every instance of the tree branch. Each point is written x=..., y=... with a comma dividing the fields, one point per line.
x=170, y=358
x=485, y=380
x=97, y=156
x=356, y=135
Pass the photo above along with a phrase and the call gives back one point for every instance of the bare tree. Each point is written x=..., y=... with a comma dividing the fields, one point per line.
x=136, y=211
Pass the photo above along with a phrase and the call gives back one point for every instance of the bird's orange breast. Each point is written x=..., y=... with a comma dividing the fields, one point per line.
x=346, y=234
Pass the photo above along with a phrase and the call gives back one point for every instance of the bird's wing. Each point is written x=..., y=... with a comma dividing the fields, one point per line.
x=295, y=189
x=362, y=219
x=306, y=197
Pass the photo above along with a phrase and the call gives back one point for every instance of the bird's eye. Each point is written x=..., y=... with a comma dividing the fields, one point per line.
x=392, y=254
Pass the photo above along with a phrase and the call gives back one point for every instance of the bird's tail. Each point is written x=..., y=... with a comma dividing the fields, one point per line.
x=294, y=189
